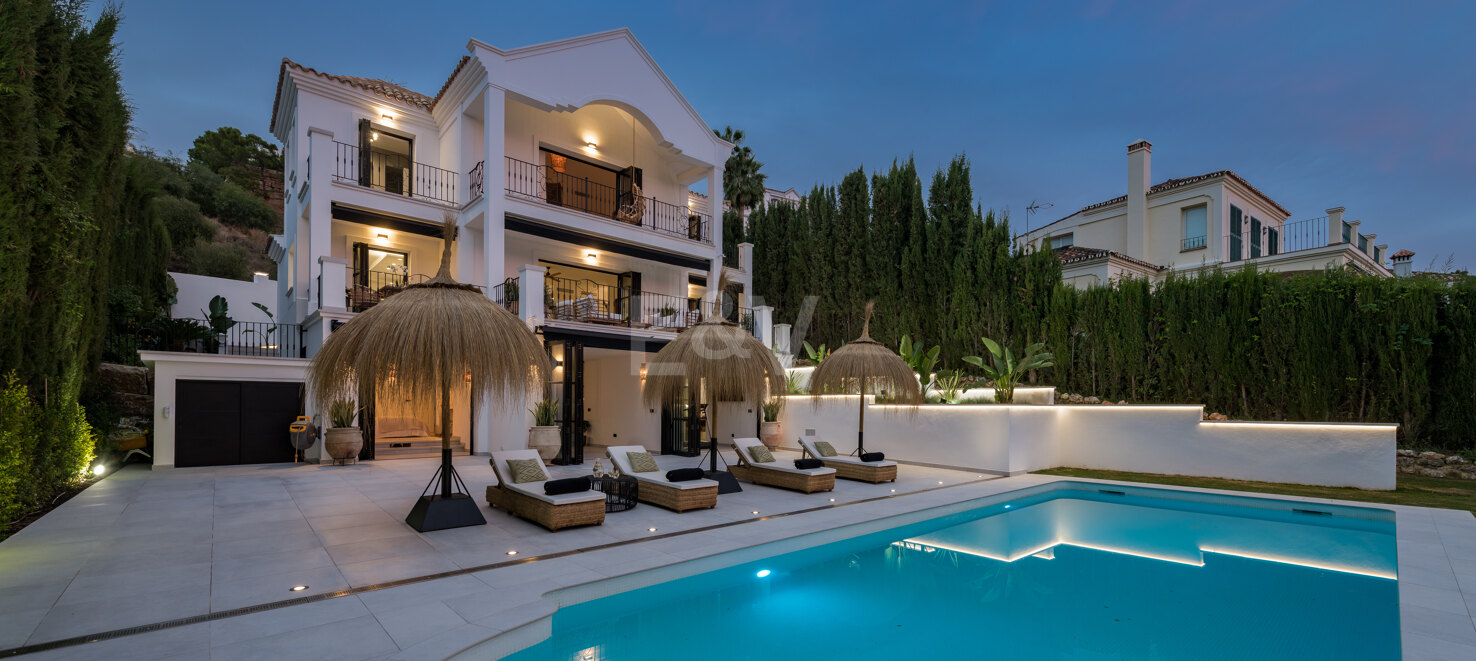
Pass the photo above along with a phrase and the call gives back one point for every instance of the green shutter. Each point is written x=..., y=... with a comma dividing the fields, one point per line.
x=1255, y=237
x=1236, y=219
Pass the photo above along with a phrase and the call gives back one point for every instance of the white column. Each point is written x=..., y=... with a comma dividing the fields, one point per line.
x=494, y=185
x=745, y=258
x=323, y=153
x=530, y=293
x=781, y=337
x=715, y=230
x=333, y=274
x=763, y=325
x=1335, y=225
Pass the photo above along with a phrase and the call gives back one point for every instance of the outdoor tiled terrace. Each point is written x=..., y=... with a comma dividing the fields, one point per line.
x=146, y=547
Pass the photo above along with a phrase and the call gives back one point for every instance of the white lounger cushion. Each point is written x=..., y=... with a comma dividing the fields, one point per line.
x=617, y=455
x=809, y=443
x=535, y=489
x=741, y=446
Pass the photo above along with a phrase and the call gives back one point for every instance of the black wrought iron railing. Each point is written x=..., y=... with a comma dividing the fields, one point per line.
x=539, y=182
x=367, y=287
x=506, y=294
x=475, y=180
x=226, y=337
x=393, y=173
x=1191, y=243
x=591, y=302
x=1303, y=235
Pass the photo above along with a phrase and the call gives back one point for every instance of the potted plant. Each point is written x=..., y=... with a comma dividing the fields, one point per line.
x=343, y=441
x=769, y=429
x=543, y=436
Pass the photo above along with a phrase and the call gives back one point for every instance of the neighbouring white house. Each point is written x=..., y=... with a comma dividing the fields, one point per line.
x=601, y=237
x=1216, y=219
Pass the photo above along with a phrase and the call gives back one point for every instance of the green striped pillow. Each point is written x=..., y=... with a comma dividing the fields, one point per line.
x=760, y=454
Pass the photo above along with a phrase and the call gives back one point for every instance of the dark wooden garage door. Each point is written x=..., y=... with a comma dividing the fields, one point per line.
x=222, y=423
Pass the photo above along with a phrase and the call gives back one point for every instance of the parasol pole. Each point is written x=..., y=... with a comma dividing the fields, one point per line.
x=712, y=430
x=861, y=428
x=445, y=438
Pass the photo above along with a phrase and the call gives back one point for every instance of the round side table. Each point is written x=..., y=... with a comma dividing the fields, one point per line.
x=620, y=492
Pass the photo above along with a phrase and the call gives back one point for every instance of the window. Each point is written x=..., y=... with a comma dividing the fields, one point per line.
x=1195, y=228
x=1237, y=220
x=1062, y=241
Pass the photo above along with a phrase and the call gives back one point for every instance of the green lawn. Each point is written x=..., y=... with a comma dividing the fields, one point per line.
x=1414, y=490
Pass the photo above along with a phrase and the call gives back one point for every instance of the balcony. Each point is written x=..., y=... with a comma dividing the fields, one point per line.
x=393, y=173
x=540, y=183
x=227, y=337
x=586, y=301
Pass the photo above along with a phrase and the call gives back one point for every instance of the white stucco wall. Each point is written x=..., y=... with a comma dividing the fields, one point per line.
x=1152, y=439
x=170, y=367
x=195, y=291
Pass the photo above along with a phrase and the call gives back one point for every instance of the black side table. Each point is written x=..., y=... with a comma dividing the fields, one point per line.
x=620, y=492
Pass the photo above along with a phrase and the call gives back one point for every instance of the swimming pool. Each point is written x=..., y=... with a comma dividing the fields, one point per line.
x=1071, y=571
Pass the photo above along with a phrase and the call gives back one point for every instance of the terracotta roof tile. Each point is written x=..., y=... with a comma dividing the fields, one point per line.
x=1172, y=184
x=1402, y=254
x=1074, y=254
x=383, y=88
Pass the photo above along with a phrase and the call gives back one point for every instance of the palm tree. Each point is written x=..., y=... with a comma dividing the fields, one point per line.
x=743, y=184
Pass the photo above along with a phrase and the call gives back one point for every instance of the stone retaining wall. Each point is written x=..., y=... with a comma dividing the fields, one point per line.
x=1434, y=464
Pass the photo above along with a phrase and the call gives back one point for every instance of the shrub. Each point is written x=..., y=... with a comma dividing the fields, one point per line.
x=216, y=260
x=183, y=220
x=42, y=449
x=236, y=206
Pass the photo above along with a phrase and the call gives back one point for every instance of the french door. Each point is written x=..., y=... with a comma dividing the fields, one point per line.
x=567, y=358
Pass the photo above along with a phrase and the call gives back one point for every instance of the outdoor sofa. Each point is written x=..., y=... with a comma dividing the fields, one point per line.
x=527, y=500
x=852, y=468
x=778, y=473
x=655, y=489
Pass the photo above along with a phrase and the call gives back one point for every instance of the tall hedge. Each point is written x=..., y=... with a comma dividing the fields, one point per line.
x=1312, y=347
x=74, y=226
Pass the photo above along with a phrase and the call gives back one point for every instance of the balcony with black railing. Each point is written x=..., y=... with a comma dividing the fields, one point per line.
x=543, y=184
x=227, y=337
x=393, y=173
x=586, y=301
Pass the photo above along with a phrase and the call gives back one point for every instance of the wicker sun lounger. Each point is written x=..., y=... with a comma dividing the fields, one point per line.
x=528, y=501
x=777, y=474
x=655, y=489
x=852, y=468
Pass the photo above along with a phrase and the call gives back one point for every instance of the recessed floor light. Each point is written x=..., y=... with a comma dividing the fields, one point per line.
x=940, y=481
x=894, y=491
x=755, y=511
x=299, y=588
x=512, y=552
x=832, y=500
x=650, y=530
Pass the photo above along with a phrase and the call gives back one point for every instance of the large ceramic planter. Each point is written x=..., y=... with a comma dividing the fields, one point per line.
x=545, y=440
x=343, y=444
x=769, y=433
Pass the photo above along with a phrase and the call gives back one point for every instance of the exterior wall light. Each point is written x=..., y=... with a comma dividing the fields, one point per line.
x=387, y=117
x=591, y=257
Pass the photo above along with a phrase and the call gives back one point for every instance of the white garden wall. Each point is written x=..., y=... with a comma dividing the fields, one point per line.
x=1152, y=439
x=192, y=300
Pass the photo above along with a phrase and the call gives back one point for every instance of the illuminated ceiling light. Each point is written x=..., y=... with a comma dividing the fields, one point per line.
x=373, y=135
x=298, y=588
x=762, y=573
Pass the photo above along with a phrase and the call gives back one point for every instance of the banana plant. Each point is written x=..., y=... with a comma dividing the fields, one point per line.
x=1005, y=371
x=921, y=360
x=950, y=386
x=816, y=355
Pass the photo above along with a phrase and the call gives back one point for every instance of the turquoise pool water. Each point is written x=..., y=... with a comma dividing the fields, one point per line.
x=1067, y=573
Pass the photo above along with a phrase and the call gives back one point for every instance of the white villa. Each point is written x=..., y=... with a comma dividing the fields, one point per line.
x=1191, y=223
x=570, y=167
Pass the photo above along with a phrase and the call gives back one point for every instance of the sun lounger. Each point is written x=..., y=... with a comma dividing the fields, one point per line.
x=528, y=501
x=655, y=489
x=852, y=468
x=778, y=473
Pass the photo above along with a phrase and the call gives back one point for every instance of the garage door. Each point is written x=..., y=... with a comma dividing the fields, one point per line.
x=222, y=423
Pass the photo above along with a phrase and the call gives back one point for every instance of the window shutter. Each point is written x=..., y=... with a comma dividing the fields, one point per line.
x=1255, y=237
x=1273, y=241
x=364, y=131
x=1236, y=219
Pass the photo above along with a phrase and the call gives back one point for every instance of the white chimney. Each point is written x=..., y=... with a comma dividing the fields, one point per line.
x=1140, y=156
x=1403, y=261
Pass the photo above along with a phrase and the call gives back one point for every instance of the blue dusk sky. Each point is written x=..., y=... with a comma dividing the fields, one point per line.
x=1367, y=105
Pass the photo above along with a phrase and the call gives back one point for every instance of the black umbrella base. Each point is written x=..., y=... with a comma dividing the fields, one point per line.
x=438, y=513
x=726, y=482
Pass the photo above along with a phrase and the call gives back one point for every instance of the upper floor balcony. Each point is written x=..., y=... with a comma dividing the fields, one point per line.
x=390, y=170
x=616, y=195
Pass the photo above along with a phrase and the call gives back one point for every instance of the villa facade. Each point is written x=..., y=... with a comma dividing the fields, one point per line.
x=1184, y=225
x=580, y=182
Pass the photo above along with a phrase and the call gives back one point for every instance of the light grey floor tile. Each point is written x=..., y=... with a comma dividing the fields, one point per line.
x=374, y=549
x=76, y=619
x=276, y=587
x=356, y=638
x=282, y=620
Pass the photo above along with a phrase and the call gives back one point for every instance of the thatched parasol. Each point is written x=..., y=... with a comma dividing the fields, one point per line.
x=726, y=363
x=866, y=365
x=424, y=345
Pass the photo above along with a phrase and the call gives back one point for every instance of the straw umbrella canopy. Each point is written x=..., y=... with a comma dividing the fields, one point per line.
x=866, y=365
x=719, y=357
x=427, y=344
